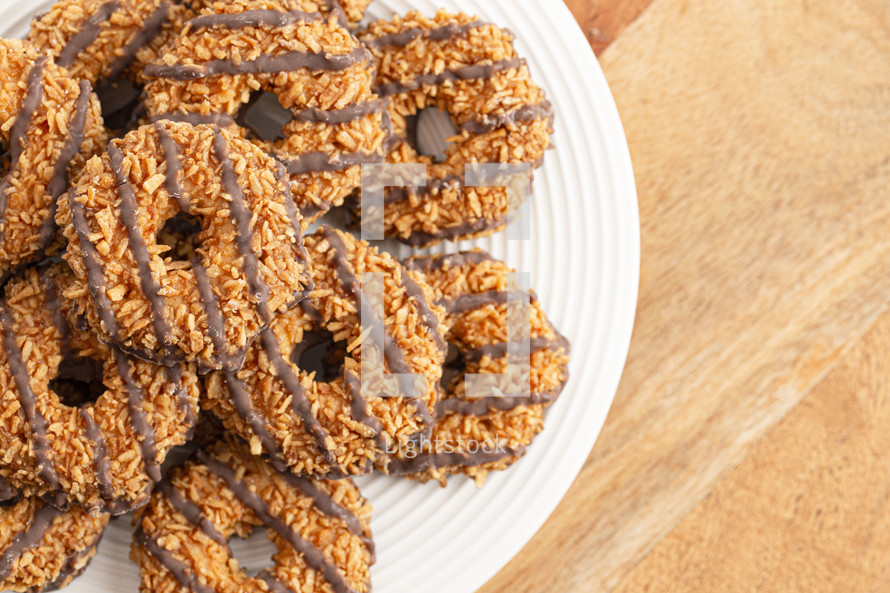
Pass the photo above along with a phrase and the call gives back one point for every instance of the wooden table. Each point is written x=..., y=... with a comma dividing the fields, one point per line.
x=748, y=448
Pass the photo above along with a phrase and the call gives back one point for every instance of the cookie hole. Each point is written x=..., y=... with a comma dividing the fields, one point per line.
x=429, y=132
x=78, y=381
x=318, y=353
x=253, y=553
x=121, y=103
x=264, y=116
x=180, y=234
x=454, y=368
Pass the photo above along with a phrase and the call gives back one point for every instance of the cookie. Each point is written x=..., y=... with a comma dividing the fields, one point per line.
x=470, y=70
x=82, y=421
x=44, y=548
x=319, y=527
x=476, y=435
x=227, y=56
x=51, y=125
x=235, y=255
x=338, y=424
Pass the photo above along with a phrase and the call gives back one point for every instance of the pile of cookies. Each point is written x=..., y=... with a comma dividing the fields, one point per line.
x=166, y=284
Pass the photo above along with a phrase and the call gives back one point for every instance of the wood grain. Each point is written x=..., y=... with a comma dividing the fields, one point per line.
x=762, y=164
x=603, y=20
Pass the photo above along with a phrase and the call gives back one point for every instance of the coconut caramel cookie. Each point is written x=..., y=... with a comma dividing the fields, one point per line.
x=45, y=548
x=50, y=124
x=233, y=255
x=470, y=70
x=231, y=53
x=82, y=421
x=319, y=527
x=476, y=435
x=340, y=418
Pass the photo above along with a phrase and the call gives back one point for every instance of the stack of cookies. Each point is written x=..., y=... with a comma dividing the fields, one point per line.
x=171, y=282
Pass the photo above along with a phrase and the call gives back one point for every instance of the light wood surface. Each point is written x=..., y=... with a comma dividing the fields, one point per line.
x=747, y=448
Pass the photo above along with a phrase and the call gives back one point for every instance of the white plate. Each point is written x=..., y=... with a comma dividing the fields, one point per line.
x=584, y=263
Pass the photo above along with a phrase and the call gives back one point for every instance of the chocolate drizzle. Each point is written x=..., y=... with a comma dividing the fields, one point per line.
x=489, y=123
x=192, y=513
x=174, y=378
x=174, y=167
x=243, y=407
x=138, y=419
x=241, y=217
x=150, y=29
x=28, y=539
x=130, y=218
x=19, y=131
x=215, y=322
x=264, y=64
x=421, y=238
x=87, y=34
x=403, y=38
x=427, y=264
x=95, y=275
x=101, y=462
x=313, y=557
x=253, y=18
x=501, y=349
x=470, y=301
x=183, y=574
x=428, y=461
x=300, y=404
x=340, y=116
x=318, y=162
x=424, y=310
x=28, y=399
x=475, y=72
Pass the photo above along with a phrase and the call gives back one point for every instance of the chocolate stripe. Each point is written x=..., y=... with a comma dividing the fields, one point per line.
x=503, y=348
x=241, y=401
x=472, y=301
x=430, y=263
x=358, y=406
x=428, y=461
x=19, y=131
x=183, y=574
x=253, y=18
x=138, y=418
x=340, y=116
x=210, y=304
x=95, y=274
x=264, y=64
x=313, y=557
x=421, y=238
x=28, y=400
x=241, y=216
x=292, y=213
x=130, y=217
x=54, y=304
x=300, y=404
x=424, y=310
x=150, y=29
x=327, y=505
x=318, y=162
x=484, y=405
x=489, y=123
x=174, y=167
x=27, y=539
x=475, y=72
x=276, y=585
x=403, y=38
x=174, y=378
x=87, y=34
x=101, y=462
x=191, y=512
